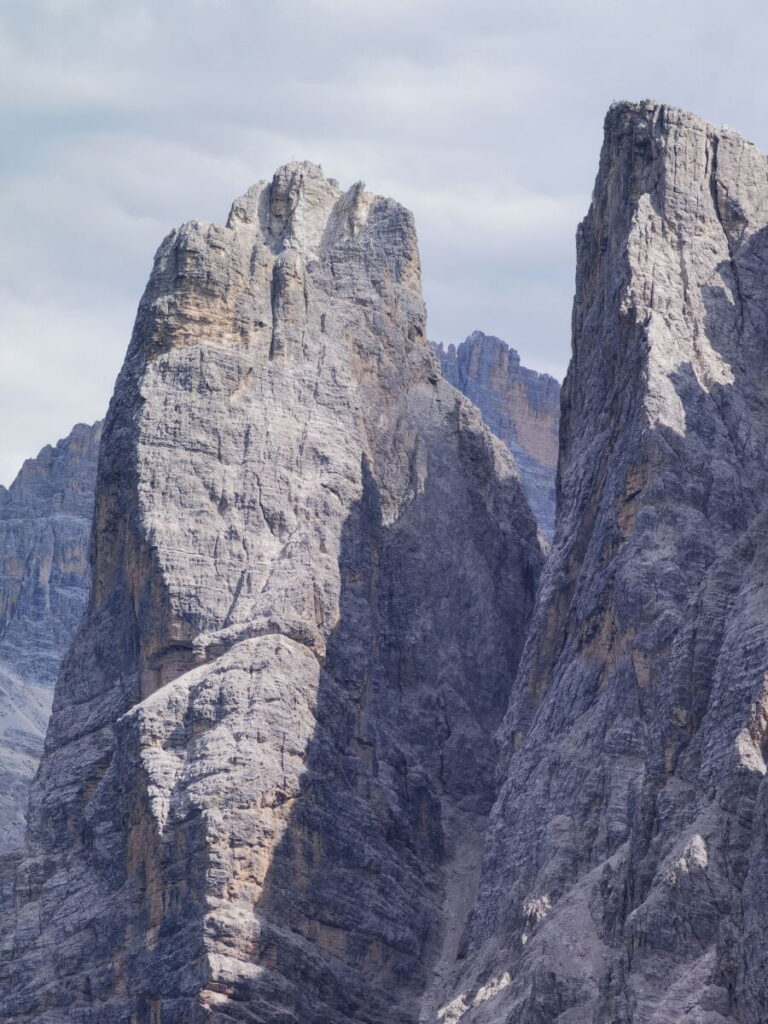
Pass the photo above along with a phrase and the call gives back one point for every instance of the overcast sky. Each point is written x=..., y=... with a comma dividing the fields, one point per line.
x=122, y=119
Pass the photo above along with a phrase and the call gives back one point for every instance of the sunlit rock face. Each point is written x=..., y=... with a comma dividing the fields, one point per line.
x=625, y=874
x=271, y=754
x=520, y=406
x=45, y=522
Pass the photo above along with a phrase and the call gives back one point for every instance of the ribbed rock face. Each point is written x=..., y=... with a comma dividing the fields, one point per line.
x=521, y=406
x=270, y=758
x=626, y=875
x=45, y=523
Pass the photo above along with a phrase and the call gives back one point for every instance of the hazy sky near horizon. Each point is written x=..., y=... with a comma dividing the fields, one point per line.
x=123, y=119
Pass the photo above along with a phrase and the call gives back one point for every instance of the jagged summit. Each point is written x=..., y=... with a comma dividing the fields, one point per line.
x=479, y=339
x=654, y=111
x=249, y=276
x=50, y=483
x=271, y=753
x=302, y=209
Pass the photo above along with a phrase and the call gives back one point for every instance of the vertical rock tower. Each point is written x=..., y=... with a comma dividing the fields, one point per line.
x=625, y=874
x=520, y=406
x=270, y=758
x=45, y=522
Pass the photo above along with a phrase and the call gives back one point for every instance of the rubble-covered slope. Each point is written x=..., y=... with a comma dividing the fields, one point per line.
x=270, y=758
x=521, y=406
x=625, y=873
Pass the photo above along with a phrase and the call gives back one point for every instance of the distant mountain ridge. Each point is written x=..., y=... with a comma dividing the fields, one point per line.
x=520, y=406
x=45, y=524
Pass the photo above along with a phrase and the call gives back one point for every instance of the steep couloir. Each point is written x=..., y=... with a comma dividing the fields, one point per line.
x=271, y=753
x=625, y=876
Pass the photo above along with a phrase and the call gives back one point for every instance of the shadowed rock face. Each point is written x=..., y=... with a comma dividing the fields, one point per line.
x=271, y=754
x=625, y=873
x=45, y=522
x=520, y=406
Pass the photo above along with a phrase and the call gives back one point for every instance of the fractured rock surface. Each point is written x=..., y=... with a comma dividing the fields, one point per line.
x=270, y=767
x=520, y=406
x=271, y=753
x=625, y=874
x=45, y=524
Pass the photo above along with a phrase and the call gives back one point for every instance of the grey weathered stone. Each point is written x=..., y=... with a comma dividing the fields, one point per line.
x=521, y=406
x=45, y=522
x=625, y=873
x=271, y=752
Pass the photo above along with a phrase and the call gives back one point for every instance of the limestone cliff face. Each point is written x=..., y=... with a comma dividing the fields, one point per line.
x=270, y=758
x=45, y=521
x=625, y=874
x=521, y=406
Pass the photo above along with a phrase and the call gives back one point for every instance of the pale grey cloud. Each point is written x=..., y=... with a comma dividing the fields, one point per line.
x=121, y=119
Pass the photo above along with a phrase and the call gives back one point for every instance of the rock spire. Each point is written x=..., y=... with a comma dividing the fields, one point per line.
x=626, y=865
x=271, y=753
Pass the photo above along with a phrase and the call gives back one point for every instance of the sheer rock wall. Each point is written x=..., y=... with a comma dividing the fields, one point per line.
x=271, y=752
x=625, y=874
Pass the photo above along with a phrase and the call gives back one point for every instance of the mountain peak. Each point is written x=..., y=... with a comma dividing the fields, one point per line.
x=312, y=572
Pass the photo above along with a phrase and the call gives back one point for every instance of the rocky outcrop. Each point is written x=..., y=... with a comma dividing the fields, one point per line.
x=625, y=873
x=45, y=521
x=270, y=757
x=521, y=406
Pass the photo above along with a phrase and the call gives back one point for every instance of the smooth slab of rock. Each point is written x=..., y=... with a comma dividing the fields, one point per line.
x=271, y=754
